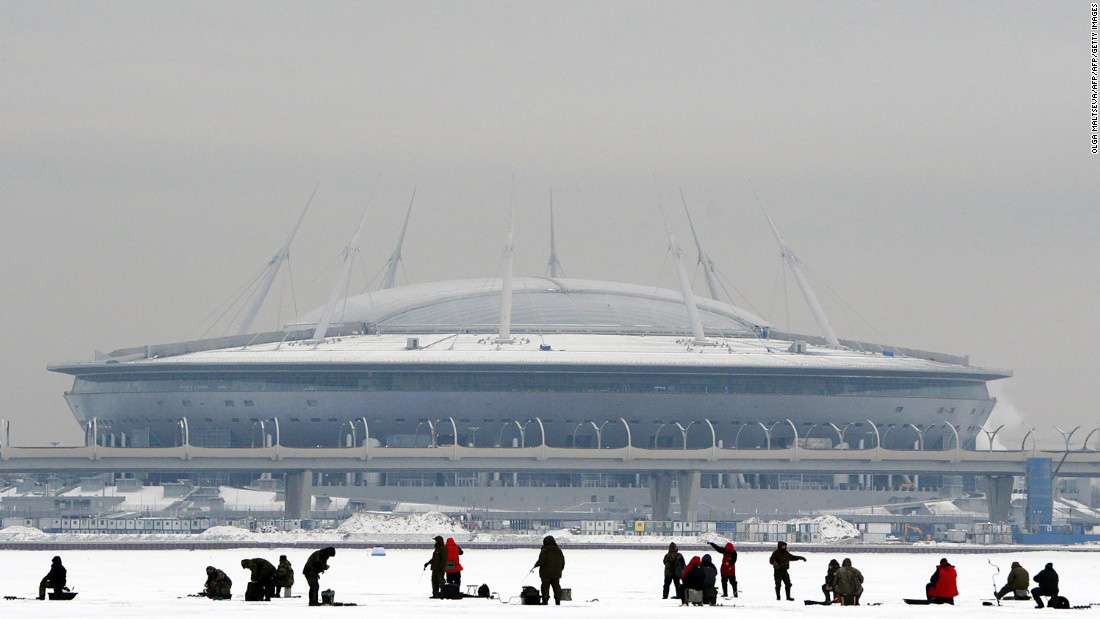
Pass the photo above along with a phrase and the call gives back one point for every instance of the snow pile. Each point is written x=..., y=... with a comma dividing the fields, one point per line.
x=427, y=524
x=834, y=529
x=21, y=534
x=227, y=533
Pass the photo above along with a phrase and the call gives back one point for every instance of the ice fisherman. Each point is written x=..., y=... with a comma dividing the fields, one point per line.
x=729, y=566
x=1047, y=579
x=829, y=588
x=438, y=563
x=218, y=585
x=849, y=583
x=943, y=587
x=1018, y=582
x=454, y=566
x=781, y=562
x=674, y=567
x=316, y=565
x=284, y=577
x=551, y=564
x=262, y=579
x=55, y=579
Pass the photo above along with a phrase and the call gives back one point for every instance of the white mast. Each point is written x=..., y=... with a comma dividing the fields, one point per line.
x=505, y=336
x=395, y=257
x=800, y=278
x=704, y=259
x=554, y=266
x=334, y=296
x=273, y=267
x=699, y=338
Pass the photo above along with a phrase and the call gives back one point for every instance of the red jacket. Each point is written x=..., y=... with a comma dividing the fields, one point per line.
x=944, y=582
x=729, y=560
x=452, y=556
x=694, y=561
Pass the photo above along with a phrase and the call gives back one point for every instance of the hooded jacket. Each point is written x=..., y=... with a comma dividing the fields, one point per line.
x=781, y=558
x=849, y=580
x=693, y=574
x=284, y=574
x=674, y=562
x=438, y=562
x=710, y=573
x=318, y=561
x=944, y=581
x=57, y=574
x=216, y=579
x=551, y=561
x=830, y=575
x=453, y=564
x=1018, y=578
x=1047, y=579
x=261, y=569
x=729, y=559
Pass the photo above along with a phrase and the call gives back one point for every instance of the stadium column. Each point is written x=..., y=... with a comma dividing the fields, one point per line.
x=660, y=494
x=299, y=495
x=998, y=496
x=688, y=487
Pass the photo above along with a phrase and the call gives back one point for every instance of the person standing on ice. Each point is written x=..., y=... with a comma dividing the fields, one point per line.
x=218, y=585
x=55, y=579
x=943, y=588
x=849, y=583
x=781, y=562
x=551, y=564
x=1047, y=580
x=454, y=566
x=263, y=578
x=284, y=577
x=315, y=565
x=729, y=566
x=674, y=566
x=438, y=563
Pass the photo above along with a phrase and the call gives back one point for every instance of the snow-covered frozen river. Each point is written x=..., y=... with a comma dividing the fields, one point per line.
x=605, y=583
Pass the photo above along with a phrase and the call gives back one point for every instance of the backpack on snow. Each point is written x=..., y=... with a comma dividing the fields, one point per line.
x=530, y=596
x=452, y=591
x=1059, y=602
x=483, y=591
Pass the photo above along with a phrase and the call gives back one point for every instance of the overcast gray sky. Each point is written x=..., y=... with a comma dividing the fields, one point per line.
x=930, y=161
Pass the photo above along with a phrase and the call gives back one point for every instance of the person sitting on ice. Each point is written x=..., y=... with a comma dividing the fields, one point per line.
x=218, y=585
x=942, y=588
x=829, y=588
x=1047, y=580
x=691, y=579
x=55, y=579
x=284, y=577
x=1018, y=582
x=849, y=583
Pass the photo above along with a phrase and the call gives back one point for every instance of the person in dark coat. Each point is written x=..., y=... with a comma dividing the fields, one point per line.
x=710, y=576
x=829, y=588
x=454, y=566
x=263, y=574
x=316, y=565
x=438, y=563
x=1018, y=580
x=781, y=562
x=218, y=585
x=943, y=587
x=284, y=577
x=674, y=566
x=729, y=566
x=1047, y=580
x=849, y=583
x=692, y=578
x=55, y=579
x=551, y=564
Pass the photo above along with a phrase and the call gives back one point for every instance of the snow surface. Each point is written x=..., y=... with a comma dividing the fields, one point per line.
x=622, y=583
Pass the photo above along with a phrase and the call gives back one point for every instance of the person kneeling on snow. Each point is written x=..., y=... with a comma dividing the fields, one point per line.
x=1018, y=582
x=942, y=588
x=218, y=585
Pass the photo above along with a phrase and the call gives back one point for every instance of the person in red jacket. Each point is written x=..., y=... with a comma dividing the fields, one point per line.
x=942, y=588
x=692, y=578
x=729, y=566
x=454, y=567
